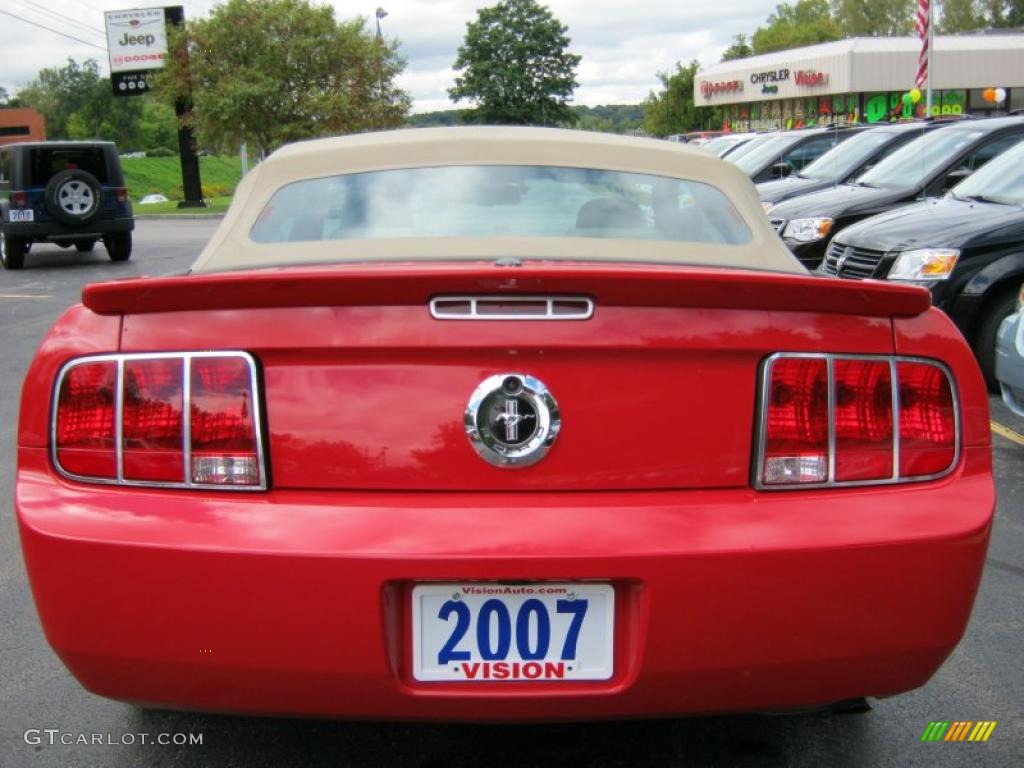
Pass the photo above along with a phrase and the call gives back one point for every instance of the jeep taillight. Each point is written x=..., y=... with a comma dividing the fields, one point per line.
x=121, y=194
x=835, y=420
x=188, y=420
x=19, y=200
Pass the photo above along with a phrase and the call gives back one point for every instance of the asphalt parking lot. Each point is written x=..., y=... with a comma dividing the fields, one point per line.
x=983, y=680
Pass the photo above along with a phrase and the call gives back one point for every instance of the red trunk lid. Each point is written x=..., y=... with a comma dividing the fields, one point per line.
x=364, y=389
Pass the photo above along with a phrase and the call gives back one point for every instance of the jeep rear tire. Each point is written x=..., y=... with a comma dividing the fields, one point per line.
x=119, y=246
x=12, y=251
x=73, y=197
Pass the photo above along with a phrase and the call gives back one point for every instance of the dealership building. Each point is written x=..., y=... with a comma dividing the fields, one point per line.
x=863, y=79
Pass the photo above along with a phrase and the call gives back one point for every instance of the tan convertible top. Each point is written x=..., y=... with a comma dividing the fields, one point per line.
x=231, y=247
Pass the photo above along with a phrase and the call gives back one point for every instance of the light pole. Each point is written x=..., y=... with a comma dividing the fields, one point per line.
x=380, y=14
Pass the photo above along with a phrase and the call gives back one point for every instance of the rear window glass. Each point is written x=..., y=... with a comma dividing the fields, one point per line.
x=499, y=201
x=44, y=163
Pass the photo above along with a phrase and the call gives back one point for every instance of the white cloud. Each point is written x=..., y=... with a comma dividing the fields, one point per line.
x=624, y=44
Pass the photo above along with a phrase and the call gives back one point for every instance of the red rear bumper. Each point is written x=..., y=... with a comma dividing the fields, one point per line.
x=298, y=603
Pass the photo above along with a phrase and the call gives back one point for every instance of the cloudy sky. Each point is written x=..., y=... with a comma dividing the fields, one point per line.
x=624, y=43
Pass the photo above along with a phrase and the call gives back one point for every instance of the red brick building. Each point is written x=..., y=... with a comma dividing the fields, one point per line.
x=18, y=124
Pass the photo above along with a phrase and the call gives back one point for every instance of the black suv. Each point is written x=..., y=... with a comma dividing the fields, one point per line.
x=843, y=162
x=926, y=167
x=63, y=192
x=967, y=247
x=790, y=151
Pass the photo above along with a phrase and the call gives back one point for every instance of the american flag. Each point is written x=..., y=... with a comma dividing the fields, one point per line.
x=921, y=25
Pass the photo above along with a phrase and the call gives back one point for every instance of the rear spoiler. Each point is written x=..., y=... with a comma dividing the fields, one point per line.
x=394, y=284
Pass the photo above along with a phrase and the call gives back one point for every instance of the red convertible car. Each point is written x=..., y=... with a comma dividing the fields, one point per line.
x=501, y=424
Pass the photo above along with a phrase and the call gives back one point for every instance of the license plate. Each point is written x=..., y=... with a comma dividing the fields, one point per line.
x=490, y=632
x=22, y=216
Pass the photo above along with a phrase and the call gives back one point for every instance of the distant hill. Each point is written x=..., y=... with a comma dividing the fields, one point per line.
x=610, y=118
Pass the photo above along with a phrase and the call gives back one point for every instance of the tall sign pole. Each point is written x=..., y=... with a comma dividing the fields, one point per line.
x=191, y=182
x=137, y=44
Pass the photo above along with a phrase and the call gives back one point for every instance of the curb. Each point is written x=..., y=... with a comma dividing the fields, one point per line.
x=177, y=216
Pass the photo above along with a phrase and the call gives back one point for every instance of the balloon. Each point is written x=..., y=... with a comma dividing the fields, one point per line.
x=915, y=95
x=908, y=99
x=1000, y=94
x=989, y=94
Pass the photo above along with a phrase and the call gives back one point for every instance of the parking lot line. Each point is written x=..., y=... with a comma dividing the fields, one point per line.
x=24, y=296
x=1004, y=431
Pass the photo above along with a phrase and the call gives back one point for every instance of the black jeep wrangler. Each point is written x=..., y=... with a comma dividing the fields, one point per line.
x=63, y=192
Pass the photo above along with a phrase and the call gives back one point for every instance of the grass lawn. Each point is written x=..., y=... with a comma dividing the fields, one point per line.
x=162, y=175
x=218, y=205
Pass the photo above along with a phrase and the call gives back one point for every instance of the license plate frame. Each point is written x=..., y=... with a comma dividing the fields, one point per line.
x=590, y=652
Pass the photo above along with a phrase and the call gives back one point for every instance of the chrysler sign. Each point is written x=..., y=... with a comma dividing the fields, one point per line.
x=136, y=39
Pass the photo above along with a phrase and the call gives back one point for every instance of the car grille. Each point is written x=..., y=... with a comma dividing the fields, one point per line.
x=857, y=264
x=777, y=224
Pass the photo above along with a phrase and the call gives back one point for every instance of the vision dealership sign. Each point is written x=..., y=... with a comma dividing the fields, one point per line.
x=137, y=42
x=756, y=84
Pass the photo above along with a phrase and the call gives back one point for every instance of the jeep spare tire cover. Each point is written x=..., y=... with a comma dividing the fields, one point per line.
x=73, y=197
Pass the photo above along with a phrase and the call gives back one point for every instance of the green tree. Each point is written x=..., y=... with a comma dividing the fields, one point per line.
x=5, y=97
x=514, y=66
x=874, y=18
x=78, y=103
x=673, y=110
x=791, y=26
x=961, y=15
x=268, y=72
x=740, y=49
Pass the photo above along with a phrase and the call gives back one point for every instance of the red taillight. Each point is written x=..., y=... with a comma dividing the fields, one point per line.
x=187, y=420
x=863, y=419
x=121, y=194
x=829, y=420
x=151, y=428
x=796, y=425
x=927, y=420
x=19, y=199
x=223, y=436
x=85, y=437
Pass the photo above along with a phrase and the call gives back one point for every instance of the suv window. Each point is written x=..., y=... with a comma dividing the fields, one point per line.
x=44, y=163
x=5, y=172
x=985, y=153
x=809, y=151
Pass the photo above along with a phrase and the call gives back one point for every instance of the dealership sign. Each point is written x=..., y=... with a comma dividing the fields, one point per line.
x=810, y=78
x=709, y=89
x=137, y=43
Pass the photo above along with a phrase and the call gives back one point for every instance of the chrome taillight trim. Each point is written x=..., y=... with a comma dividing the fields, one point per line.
x=186, y=358
x=474, y=302
x=830, y=360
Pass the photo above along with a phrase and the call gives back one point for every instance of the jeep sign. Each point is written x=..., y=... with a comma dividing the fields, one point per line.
x=136, y=39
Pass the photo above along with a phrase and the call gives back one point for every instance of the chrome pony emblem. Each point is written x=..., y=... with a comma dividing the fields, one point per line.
x=512, y=420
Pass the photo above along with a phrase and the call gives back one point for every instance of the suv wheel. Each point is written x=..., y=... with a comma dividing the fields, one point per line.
x=73, y=197
x=12, y=251
x=1001, y=307
x=84, y=246
x=119, y=246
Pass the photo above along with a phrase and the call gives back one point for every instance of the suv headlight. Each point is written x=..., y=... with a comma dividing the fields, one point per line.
x=924, y=264
x=808, y=230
